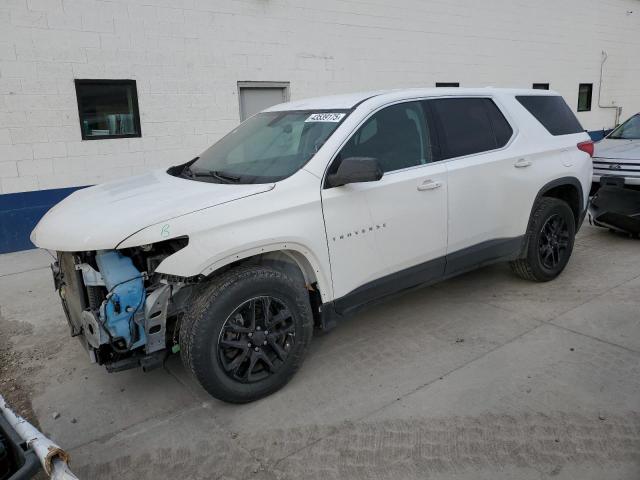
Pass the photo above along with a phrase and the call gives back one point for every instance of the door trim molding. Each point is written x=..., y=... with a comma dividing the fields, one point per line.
x=427, y=273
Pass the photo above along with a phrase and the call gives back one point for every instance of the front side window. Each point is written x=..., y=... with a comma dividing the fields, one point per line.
x=396, y=136
x=108, y=109
x=629, y=130
x=469, y=125
x=266, y=148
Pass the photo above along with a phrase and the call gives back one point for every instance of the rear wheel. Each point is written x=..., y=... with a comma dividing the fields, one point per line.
x=247, y=333
x=549, y=241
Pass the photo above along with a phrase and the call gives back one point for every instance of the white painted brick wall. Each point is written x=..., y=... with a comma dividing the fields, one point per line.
x=188, y=55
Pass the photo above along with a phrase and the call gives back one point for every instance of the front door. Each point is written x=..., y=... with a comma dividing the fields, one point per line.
x=391, y=234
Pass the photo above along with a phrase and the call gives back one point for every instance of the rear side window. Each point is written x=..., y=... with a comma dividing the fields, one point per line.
x=552, y=112
x=469, y=125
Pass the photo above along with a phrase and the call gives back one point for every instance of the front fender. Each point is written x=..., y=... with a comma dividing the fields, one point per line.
x=288, y=218
x=304, y=257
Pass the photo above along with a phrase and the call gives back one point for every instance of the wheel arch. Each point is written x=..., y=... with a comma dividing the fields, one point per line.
x=290, y=258
x=568, y=189
x=287, y=258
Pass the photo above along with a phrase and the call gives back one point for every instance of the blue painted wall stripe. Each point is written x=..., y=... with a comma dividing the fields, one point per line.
x=20, y=212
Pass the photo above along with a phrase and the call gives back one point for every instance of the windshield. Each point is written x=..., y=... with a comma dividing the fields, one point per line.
x=629, y=130
x=266, y=148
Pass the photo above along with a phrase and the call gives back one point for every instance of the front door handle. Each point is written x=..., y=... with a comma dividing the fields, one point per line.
x=522, y=163
x=429, y=185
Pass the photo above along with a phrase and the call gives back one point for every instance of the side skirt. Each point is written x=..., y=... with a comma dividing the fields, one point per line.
x=428, y=273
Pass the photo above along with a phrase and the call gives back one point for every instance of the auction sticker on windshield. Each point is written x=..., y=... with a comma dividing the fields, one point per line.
x=325, y=117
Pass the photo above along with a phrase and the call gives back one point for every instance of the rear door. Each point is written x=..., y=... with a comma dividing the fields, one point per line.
x=483, y=197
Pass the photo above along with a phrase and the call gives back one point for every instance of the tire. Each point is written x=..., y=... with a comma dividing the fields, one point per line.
x=547, y=251
x=228, y=313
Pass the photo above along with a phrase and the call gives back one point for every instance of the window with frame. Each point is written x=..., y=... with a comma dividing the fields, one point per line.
x=396, y=136
x=540, y=86
x=108, y=109
x=469, y=125
x=552, y=112
x=585, y=92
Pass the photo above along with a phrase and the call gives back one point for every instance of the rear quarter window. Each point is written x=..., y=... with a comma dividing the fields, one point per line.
x=552, y=112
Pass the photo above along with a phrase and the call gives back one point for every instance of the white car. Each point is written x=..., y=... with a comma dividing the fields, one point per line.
x=616, y=158
x=306, y=212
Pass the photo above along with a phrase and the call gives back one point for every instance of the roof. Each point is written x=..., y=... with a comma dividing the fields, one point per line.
x=338, y=102
x=350, y=100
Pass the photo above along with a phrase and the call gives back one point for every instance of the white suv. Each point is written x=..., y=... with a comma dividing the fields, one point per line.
x=308, y=211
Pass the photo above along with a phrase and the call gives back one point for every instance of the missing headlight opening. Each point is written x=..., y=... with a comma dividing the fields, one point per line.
x=122, y=310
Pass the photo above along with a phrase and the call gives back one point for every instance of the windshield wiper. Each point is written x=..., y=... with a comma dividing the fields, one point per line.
x=225, y=177
x=222, y=177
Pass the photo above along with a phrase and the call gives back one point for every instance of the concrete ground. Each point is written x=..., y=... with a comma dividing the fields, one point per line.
x=482, y=377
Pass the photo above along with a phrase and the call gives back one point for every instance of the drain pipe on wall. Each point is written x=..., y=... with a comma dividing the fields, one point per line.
x=53, y=458
x=618, y=109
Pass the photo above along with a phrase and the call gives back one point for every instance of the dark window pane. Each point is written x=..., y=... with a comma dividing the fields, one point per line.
x=108, y=108
x=540, y=86
x=501, y=128
x=552, y=112
x=584, y=97
x=396, y=136
x=447, y=84
x=465, y=126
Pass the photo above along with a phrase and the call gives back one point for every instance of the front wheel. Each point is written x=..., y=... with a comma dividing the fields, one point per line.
x=549, y=241
x=247, y=333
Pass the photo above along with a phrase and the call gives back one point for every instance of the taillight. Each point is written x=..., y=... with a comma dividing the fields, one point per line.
x=586, y=147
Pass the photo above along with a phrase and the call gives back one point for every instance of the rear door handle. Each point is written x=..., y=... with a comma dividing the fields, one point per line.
x=522, y=163
x=429, y=185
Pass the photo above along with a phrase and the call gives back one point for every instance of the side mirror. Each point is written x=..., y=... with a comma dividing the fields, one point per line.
x=354, y=170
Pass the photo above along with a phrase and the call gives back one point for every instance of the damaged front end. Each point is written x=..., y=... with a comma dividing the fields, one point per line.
x=617, y=208
x=125, y=314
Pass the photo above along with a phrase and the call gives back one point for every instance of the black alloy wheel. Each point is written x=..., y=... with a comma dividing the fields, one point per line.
x=256, y=339
x=553, y=243
x=246, y=332
x=548, y=242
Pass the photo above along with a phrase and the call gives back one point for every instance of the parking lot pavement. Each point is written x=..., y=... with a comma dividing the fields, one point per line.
x=485, y=376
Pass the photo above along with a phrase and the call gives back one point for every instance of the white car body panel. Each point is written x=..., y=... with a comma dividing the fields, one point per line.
x=287, y=217
x=100, y=217
x=481, y=197
x=506, y=181
x=373, y=228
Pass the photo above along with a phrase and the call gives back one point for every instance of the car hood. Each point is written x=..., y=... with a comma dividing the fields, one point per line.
x=100, y=217
x=618, y=149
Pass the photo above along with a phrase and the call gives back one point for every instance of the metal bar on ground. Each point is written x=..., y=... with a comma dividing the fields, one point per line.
x=53, y=458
